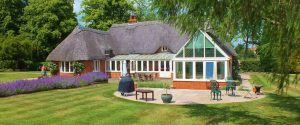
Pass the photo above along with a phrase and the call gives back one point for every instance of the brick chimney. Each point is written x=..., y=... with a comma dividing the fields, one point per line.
x=132, y=19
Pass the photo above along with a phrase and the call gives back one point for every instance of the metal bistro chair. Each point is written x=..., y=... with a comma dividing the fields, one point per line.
x=214, y=89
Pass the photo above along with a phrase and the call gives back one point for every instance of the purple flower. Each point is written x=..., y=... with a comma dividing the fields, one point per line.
x=54, y=82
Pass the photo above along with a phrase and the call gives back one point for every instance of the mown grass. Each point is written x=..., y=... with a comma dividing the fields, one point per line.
x=12, y=76
x=96, y=105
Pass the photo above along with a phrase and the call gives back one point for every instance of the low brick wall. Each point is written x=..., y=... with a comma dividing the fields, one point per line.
x=203, y=85
x=114, y=74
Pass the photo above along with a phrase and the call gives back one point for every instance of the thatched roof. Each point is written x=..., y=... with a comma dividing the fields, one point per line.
x=137, y=38
x=82, y=44
x=145, y=37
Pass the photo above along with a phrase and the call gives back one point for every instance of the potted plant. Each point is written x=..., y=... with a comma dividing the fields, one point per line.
x=166, y=98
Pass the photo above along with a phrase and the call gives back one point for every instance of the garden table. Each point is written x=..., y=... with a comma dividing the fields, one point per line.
x=144, y=91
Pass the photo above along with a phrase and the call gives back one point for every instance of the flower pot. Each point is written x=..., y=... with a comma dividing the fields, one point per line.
x=166, y=98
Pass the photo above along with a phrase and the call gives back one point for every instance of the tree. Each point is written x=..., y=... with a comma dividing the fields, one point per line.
x=101, y=14
x=14, y=52
x=276, y=22
x=47, y=23
x=10, y=13
x=144, y=10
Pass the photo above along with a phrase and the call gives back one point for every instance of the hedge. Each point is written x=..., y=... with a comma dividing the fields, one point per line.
x=250, y=65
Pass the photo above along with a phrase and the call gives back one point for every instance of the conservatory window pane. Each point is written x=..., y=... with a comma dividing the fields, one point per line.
x=118, y=65
x=178, y=70
x=219, y=54
x=133, y=65
x=209, y=48
x=150, y=65
x=162, y=65
x=220, y=70
x=113, y=65
x=156, y=65
x=199, y=70
x=199, y=46
x=139, y=65
x=180, y=54
x=167, y=66
x=144, y=65
x=189, y=70
x=188, y=49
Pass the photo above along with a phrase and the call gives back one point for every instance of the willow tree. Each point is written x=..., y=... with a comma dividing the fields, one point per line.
x=274, y=22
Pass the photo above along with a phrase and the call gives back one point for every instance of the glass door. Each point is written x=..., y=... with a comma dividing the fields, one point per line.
x=209, y=70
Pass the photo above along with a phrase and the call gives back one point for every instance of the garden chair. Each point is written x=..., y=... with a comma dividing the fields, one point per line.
x=230, y=85
x=215, y=90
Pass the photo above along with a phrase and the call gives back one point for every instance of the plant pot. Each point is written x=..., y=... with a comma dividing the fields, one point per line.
x=166, y=98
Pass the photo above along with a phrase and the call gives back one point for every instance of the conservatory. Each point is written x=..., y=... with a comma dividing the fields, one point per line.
x=200, y=60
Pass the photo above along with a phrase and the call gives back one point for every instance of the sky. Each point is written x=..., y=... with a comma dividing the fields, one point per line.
x=77, y=9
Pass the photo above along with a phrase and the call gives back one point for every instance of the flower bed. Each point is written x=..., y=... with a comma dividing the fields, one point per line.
x=55, y=82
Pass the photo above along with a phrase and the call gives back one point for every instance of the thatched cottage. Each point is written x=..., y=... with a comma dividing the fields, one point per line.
x=147, y=47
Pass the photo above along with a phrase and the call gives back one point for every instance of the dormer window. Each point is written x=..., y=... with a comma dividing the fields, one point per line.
x=108, y=52
x=164, y=49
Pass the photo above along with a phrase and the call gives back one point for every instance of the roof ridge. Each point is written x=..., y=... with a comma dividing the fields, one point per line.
x=81, y=28
x=136, y=24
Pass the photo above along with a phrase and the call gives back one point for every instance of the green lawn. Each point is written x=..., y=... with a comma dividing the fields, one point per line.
x=96, y=105
x=11, y=76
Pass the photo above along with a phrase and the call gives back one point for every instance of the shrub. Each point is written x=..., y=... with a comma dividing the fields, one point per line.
x=250, y=65
x=78, y=67
x=52, y=67
x=55, y=82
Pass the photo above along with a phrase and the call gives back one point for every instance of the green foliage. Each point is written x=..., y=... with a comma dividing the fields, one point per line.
x=270, y=22
x=10, y=13
x=15, y=51
x=250, y=65
x=144, y=10
x=101, y=14
x=78, y=67
x=47, y=22
x=52, y=67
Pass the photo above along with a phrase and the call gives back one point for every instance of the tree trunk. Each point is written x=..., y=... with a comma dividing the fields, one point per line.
x=246, y=46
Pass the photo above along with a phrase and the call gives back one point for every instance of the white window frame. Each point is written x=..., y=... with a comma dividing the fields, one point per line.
x=96, y=66
x=63, y=68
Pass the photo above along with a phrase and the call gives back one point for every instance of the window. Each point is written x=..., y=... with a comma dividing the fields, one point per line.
x=219, y=54
x=162, y=66
x=118, y=66
x=144, y=65
x=199, y=70
x=209, y=49
x=113, y=65
x=107, y=66
x=179, y=72
x=199, y=46
x=180, y=54
x=96, y=66
x=188, y=49
x=139, y=65
x=155, y=65
x=66, y=67
x=150, y=65
x=209, y=70
x=189, y=70
x=220, y=70
x=133, y=65
x=167, y=65
x=164, y=49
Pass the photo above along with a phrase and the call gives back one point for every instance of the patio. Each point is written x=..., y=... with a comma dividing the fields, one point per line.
x=187, y=96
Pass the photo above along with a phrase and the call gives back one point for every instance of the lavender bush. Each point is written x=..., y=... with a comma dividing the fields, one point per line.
x=55, y=82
